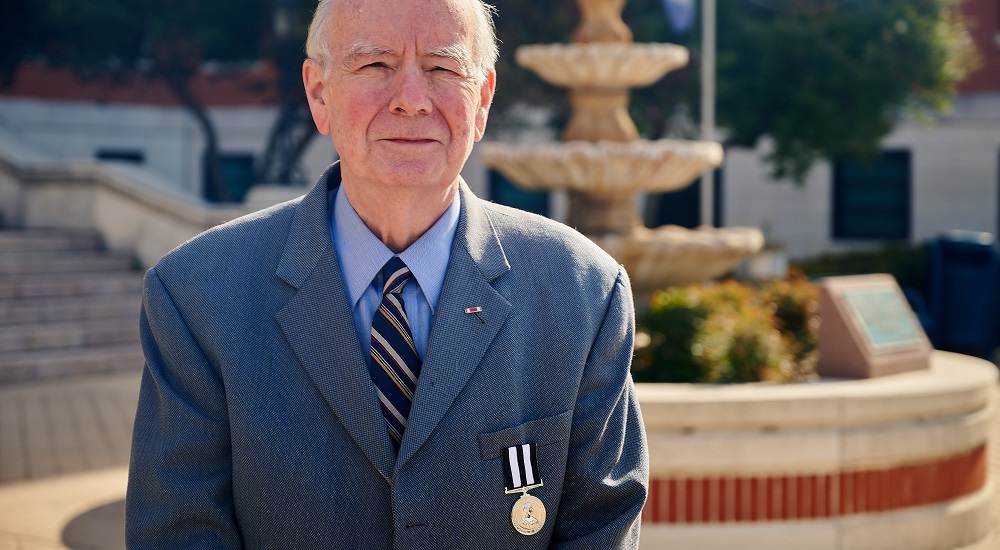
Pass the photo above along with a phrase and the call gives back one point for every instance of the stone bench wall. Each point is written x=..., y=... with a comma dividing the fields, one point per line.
x=130, y=208
x=892, y=462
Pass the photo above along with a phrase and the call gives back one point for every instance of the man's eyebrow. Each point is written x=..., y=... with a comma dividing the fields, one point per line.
x=363, y=48
x=455, y=52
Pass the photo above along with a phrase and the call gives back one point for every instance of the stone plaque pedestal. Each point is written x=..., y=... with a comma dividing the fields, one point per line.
x=867, y=329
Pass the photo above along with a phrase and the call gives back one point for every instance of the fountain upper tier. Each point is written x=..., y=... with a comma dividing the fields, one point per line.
x=608, y=65
x=606, y=168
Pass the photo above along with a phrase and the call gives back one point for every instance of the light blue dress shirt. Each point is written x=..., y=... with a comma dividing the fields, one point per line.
x=361, y=255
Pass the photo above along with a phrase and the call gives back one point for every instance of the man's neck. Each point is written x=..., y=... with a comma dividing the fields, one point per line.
x=399, y=219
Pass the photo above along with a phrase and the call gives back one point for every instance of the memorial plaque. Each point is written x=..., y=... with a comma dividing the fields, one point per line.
x=867, y=328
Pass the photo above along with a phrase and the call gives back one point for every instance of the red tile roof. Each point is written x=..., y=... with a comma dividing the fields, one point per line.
x=983, y=18
x=256, y=86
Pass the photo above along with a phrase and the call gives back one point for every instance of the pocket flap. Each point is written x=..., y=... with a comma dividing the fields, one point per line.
x=543, y=431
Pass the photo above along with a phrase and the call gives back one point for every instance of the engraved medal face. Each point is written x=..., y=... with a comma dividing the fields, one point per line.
x=528, y=515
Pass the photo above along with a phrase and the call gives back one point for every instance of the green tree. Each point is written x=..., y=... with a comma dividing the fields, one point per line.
x=821, y=78
x=22, y=32
x=168, y=41
x=293, y=129
x=521, y=22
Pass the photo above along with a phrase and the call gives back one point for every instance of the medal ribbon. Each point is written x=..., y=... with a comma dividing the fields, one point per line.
x=521, y=469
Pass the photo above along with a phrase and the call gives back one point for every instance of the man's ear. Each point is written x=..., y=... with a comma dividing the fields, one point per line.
x=312, y=79
x=486, y=90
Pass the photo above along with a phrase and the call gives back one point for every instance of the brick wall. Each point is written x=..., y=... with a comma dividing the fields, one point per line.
x=773, y=498
x=983, y=18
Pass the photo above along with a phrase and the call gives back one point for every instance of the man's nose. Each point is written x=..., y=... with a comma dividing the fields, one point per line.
x=412, y=92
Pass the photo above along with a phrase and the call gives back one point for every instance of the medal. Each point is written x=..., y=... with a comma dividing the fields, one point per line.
x=528, y=514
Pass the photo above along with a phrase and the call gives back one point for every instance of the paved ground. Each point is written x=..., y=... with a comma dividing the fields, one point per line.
x=58, y=428
x=63, y=464
x=64, y=448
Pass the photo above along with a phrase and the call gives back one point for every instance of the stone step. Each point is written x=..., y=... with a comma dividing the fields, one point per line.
x=70, y=308
x=39, y=240
x=42, y=336
x=67, y=307
x=27, y=263
x=50, y=364
x=69, y=284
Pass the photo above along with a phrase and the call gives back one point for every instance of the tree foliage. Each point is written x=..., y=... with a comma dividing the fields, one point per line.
x=22, y=32
x=293, y=129
x=169, y=41
x=521, y=22
x=820, y=78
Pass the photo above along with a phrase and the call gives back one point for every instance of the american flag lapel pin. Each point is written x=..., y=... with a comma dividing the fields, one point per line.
x=476, y=310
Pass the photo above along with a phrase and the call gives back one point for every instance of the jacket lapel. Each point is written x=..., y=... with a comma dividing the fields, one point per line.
x=319, y=326
x=458, y=340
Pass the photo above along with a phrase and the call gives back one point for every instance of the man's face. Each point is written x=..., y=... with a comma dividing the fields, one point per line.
x=401, y=98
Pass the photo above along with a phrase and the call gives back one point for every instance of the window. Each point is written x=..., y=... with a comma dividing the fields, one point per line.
x=505, y=192
x=872, y=201
x=237, y=171
x=683, y=207
x=133, y=156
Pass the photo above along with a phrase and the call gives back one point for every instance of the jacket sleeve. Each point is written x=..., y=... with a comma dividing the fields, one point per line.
x=180, y=475
x=607, y=472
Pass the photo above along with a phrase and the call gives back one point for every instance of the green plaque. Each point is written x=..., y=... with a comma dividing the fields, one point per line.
x=884, y=318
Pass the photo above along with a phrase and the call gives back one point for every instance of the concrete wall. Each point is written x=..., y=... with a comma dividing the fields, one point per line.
x=132, y=209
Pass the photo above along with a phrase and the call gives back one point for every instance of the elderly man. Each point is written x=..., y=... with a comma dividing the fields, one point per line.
x=389, y=361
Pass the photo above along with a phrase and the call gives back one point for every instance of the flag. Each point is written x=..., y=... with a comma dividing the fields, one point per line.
x=680, y=13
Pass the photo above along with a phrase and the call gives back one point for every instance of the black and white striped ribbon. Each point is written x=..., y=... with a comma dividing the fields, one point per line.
x=521, y=468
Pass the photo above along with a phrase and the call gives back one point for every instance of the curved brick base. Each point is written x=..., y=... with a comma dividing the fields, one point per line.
x=896, y=462
x=768, y=498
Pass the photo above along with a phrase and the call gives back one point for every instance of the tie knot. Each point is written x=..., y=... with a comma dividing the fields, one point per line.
x=396, y=275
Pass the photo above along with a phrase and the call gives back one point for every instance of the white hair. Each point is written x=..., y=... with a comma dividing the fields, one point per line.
x=484, y=39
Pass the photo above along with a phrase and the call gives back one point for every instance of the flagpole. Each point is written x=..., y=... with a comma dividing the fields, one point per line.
x=707, y=104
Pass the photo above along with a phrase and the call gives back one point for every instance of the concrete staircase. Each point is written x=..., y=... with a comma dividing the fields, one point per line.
x=67, y=307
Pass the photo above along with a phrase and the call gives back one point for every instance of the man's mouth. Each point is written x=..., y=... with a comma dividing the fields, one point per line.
x=410, y=140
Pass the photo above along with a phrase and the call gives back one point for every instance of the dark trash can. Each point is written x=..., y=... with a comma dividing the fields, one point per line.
x=964, y=285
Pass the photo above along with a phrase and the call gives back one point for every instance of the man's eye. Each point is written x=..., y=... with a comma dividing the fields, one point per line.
x=376, y=65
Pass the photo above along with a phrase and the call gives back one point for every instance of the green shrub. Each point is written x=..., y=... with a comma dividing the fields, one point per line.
x=796, y=316
x=728, y=332
x=666, y=336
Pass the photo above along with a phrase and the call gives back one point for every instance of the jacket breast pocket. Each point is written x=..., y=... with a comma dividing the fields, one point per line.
x=542, y=432
x=550, y=435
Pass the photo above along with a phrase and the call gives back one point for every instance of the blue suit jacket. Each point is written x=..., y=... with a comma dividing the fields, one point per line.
x=258, y=425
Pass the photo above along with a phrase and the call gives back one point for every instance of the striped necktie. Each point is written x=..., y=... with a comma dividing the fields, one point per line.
x=394, y=364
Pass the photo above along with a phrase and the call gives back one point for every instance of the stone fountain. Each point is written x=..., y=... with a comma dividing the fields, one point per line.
x=603, y=164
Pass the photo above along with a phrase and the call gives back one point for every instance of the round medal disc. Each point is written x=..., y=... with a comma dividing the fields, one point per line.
x=528, y=515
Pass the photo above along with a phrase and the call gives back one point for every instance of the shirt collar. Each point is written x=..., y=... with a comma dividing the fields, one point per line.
x=427, y=257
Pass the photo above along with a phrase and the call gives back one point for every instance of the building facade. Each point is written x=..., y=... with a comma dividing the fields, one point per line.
x=931, y=177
